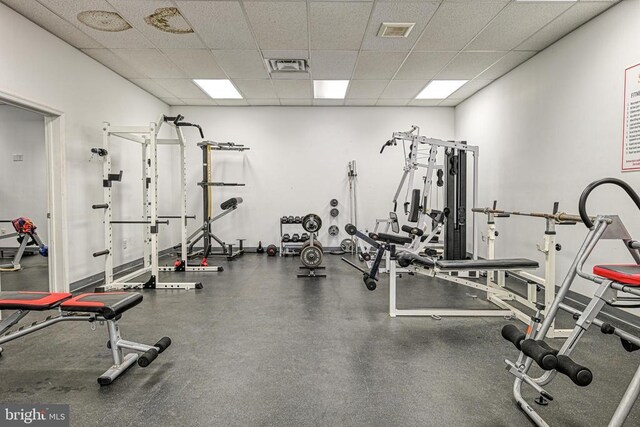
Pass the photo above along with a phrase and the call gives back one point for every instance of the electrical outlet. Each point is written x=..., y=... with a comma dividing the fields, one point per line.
x=3, y=231
x=124, y=244
x=18, y=157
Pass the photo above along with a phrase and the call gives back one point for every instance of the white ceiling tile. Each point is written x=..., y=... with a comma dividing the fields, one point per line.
x=182, y=88
x=378, y=65
x=470, y=88
x=338, y=25
x=135, y=12
x=392, y=102
x=332, y=64
x=150, y=62
x=506, y=64
x=48, y=20
x=455, y=24
x=361, y=102
x=450, y=102
x=115, y=63
x=401, y=89
x=467, y=65
x=279, y=25
x=424, y=102
x=173, y=101
x=424, y=65
x=153, y=88
x=220, y=24
x=328, y=102
x=290, y=76
x=515, y=23
x=241, y=64
x=232, y=102
x=69, y=10
x=263, y=101
x=256, y=88
x=285, y=54
x=366, y=89
x=199, y=101
x=294, y=101
x=196, y=63
x=420, y=13
x=287, y=89
x=563, y=24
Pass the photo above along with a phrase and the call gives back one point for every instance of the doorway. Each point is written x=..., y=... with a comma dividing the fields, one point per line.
x=32, y=197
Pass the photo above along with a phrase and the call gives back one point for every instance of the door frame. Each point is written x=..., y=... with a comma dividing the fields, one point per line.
x=54, y=125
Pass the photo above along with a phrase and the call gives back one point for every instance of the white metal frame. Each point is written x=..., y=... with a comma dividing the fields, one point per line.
x=54, y=124
x=148, y=139
x=495, y=285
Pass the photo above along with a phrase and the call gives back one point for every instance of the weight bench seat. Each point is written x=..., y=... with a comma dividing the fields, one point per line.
x=628, y=274
x=406, y=258
x=108, y=304
x=398, y=240
x=25, y=300
x=487, y=264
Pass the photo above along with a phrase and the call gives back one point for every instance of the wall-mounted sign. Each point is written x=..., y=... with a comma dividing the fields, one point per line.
x=631, y=123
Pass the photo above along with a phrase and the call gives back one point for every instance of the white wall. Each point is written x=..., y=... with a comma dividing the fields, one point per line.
x=23, y=185
x=552, y=126
x=38, y=66
x=298, y=162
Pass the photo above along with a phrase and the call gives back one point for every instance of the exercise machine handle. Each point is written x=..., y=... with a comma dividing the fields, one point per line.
x=389, y=143
x=582, y=205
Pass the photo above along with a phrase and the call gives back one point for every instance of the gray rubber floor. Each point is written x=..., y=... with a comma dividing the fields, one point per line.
x=257, y=346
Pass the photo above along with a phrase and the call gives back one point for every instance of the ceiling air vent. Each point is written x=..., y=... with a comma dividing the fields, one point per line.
x=395, y=29
x=288, y=65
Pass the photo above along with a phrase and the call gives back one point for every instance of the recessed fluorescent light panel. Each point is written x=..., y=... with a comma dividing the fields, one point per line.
x=218, y=88
x=440, y=89
x=330, y=89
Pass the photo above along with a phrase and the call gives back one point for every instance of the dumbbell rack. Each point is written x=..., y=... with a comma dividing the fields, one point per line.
x=290, y=248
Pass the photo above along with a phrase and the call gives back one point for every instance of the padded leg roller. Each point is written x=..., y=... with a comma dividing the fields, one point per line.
x=540, y=351
x=163, y=344
x=147, y=357
x=580, y=375
x=514, y=335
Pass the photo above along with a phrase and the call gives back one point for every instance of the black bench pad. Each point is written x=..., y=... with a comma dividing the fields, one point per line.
x=23, y=300
x=488, y=264
x=107, y=304
x=406, y=258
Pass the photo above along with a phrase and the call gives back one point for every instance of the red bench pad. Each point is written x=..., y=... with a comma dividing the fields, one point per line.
x=629, y=274
x=107, y=304
x=24, y=300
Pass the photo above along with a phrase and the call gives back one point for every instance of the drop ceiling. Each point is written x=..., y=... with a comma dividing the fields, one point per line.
x=473, y=40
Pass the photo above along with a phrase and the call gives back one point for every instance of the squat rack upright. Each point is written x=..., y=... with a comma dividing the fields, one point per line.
x=147, y=138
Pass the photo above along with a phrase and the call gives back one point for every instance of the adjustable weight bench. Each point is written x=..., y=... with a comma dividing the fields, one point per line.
x=91, y=307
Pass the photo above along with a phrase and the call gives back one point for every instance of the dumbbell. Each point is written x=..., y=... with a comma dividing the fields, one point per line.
x=304, y=237
x=298, y=220
x=284, y=220
x=295, y=237
x=291, y=220
x=286, y=237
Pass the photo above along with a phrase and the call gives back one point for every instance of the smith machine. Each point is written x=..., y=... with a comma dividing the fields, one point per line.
x=147, y=138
